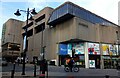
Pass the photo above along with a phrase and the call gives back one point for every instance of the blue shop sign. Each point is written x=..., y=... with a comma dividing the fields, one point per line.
x=63, y=49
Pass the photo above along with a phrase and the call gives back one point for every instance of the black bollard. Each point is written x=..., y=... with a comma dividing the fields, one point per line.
x=34, y=70
x=107, y=76
x=13, y=71
x=47, y=71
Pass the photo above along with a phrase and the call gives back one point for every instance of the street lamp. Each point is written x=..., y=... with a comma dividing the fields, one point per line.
x=28, y=12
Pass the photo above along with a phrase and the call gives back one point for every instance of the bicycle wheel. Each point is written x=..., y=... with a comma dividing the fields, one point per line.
x=67, y=69
x=75, y=69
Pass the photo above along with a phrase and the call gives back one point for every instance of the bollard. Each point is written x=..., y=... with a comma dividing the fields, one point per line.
x=34, y=70
x=12, y=73
x=107, y=76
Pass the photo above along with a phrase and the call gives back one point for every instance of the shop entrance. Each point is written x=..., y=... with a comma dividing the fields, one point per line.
x=96, y=60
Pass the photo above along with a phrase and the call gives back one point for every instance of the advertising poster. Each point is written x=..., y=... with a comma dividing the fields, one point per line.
x=79, y=48
x=113, y=49
x=105, y=48
x=92, y=63
x=93, y=48
x=69, y=49
x=109, y=49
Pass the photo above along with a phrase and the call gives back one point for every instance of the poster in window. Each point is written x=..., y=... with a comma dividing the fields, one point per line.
x=113, y=49
x=69, y=49
x=93, y=48
x=105, y=48
x=79, y=48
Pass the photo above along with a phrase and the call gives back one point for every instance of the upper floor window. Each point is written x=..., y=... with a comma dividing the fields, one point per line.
x=40, y=18
x=40, y=28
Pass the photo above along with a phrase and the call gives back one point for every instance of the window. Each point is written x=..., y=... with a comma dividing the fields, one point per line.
x=40, y=18
x=40, y=28
x=30, y=33
x=15, y=47
x=30, y=24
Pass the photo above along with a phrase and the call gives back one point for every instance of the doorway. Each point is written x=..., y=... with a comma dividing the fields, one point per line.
x=96, y=58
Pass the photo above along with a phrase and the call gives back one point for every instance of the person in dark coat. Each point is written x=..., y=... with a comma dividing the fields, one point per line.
x=43, y=66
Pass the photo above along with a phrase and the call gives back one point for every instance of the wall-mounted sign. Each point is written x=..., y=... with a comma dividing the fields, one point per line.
x=63, y=49
x=92, y=63
x=93, y=48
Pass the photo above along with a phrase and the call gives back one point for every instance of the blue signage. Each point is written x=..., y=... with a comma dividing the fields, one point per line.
x=63, y=49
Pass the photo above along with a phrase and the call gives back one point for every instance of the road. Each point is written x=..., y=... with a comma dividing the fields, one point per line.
x=59, y=72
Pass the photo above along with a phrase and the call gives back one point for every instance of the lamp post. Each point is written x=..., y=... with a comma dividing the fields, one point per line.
x=28, y=12
x=13, y=61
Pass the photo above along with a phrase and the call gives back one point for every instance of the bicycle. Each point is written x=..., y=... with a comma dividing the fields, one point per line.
x=75, y=68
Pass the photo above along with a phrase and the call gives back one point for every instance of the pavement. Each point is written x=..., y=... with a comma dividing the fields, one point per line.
x=56, y=72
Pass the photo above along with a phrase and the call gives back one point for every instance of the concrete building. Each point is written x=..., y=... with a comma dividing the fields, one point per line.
x=66, y=31
x=11, y=38
x=93, y=37
x=72, y=30
x=37, y=35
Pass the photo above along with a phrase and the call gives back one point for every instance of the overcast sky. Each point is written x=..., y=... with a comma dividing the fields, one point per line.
x=107, y=9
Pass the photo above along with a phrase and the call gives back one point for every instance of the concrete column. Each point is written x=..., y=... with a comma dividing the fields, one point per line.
x=101, y=57
x=57, y=54
x=86, y=56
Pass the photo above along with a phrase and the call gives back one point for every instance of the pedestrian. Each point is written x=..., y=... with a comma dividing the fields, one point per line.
x=43, y=66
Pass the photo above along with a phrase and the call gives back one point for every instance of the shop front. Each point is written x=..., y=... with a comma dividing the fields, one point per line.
x=110, y=56
x=65, y=51
x=94, y=55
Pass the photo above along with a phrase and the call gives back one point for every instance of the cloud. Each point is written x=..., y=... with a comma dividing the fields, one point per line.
x=107, y=9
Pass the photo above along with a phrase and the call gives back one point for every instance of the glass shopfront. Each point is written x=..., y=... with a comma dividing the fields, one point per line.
x=110, y=55
x=65, y=51
x=94, y=55
x=110, y=62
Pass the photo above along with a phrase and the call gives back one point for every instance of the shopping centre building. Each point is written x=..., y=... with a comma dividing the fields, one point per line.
x=94, y=38
x=70, y=30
